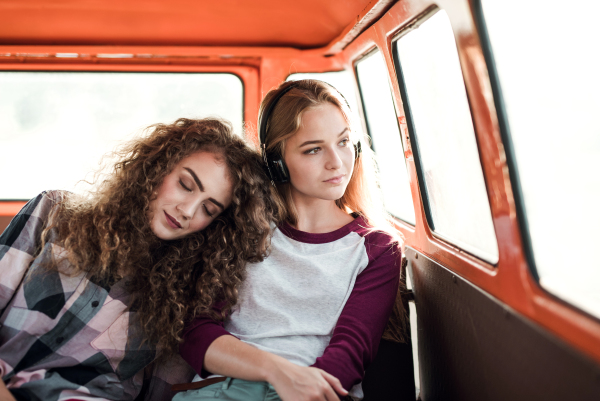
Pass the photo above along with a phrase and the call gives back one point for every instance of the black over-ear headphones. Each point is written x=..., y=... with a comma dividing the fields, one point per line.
x=274, y=163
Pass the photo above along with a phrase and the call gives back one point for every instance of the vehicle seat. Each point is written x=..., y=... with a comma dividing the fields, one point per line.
x=391, y=374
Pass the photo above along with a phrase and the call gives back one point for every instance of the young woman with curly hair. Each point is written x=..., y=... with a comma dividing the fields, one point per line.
x=94, y=289
x=310, y=316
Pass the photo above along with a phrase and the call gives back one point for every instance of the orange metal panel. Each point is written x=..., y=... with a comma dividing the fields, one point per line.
x=10, y=208
x=137, y=53
x=302, y=24
x=7, y=212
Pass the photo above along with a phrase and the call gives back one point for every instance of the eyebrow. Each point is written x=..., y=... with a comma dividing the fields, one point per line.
x=195, y=177
x=217, y=203
x=201, y=187
x=320, y=141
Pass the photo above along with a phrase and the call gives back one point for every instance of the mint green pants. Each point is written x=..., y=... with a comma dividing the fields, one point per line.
x=231, y=390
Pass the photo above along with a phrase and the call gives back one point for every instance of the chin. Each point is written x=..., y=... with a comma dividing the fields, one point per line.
x=338, y=192
x=160, y=233
x=169, y=237
x=332, y=196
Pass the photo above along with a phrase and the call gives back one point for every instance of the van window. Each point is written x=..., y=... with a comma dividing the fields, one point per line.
x=439, y=117
x=382, y=123
x=57, y=125
x=550, y=85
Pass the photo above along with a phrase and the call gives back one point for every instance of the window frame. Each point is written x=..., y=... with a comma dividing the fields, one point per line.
x=369, y=53
x=411, y=25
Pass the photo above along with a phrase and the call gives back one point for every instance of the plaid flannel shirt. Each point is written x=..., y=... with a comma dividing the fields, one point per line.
x=64, y=337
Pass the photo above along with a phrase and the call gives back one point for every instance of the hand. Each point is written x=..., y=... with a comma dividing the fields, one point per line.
x=299, y=383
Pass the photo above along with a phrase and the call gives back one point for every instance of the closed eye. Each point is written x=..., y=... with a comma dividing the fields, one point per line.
x=184, y=186
x=207, y=211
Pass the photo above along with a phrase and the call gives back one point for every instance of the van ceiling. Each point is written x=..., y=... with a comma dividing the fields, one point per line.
x=301, y=24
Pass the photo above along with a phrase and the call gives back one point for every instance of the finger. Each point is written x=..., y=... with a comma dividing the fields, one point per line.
x=334, y=382
x=330, y=395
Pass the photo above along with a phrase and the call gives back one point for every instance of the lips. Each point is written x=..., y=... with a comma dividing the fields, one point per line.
x=335, y=180
x=172, y=221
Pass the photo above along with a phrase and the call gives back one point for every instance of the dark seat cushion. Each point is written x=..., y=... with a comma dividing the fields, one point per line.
x=391, y=375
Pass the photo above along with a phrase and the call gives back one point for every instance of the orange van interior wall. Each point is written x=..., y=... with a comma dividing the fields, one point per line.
x=262, y=68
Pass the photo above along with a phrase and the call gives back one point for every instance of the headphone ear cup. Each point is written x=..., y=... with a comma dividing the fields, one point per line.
x=277, y=169
x=357, y=150
x=280, y=170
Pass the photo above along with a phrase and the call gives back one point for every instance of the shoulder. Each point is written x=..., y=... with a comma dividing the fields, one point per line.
x=23, y=232
x=35, y=214
x=379, y=242
x=42, y=204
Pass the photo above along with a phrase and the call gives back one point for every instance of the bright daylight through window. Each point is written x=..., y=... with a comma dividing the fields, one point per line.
x=68, y=120
x=385, y=133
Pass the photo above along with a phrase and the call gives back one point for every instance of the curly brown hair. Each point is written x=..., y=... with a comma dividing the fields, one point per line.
x=108, y=235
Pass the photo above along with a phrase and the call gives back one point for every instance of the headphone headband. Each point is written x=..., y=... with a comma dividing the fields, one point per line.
x=267, y=112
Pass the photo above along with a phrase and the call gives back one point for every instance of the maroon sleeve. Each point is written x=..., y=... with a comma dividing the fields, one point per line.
x=359, y=329
x=197, y=337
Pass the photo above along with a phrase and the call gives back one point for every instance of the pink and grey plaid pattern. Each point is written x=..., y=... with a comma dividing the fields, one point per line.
x=64, y=337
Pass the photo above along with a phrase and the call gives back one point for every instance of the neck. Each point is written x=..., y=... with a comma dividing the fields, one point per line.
x=318, y=215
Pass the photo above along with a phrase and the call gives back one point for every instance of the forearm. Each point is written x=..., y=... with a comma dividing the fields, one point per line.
x=231, y=357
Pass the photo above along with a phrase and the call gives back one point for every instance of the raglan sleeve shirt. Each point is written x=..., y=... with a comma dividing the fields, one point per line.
x=356, y=336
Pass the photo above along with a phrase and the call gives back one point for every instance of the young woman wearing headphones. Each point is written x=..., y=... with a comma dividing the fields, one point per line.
x=308, y=318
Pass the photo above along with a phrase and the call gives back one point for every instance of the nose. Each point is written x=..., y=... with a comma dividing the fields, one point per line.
x=188, y=208
x=334, y=161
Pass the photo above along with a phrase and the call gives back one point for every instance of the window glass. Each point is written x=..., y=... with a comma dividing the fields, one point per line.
x=447, y=148
x=385, y=134
x=56, y=126
x=548, y=65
